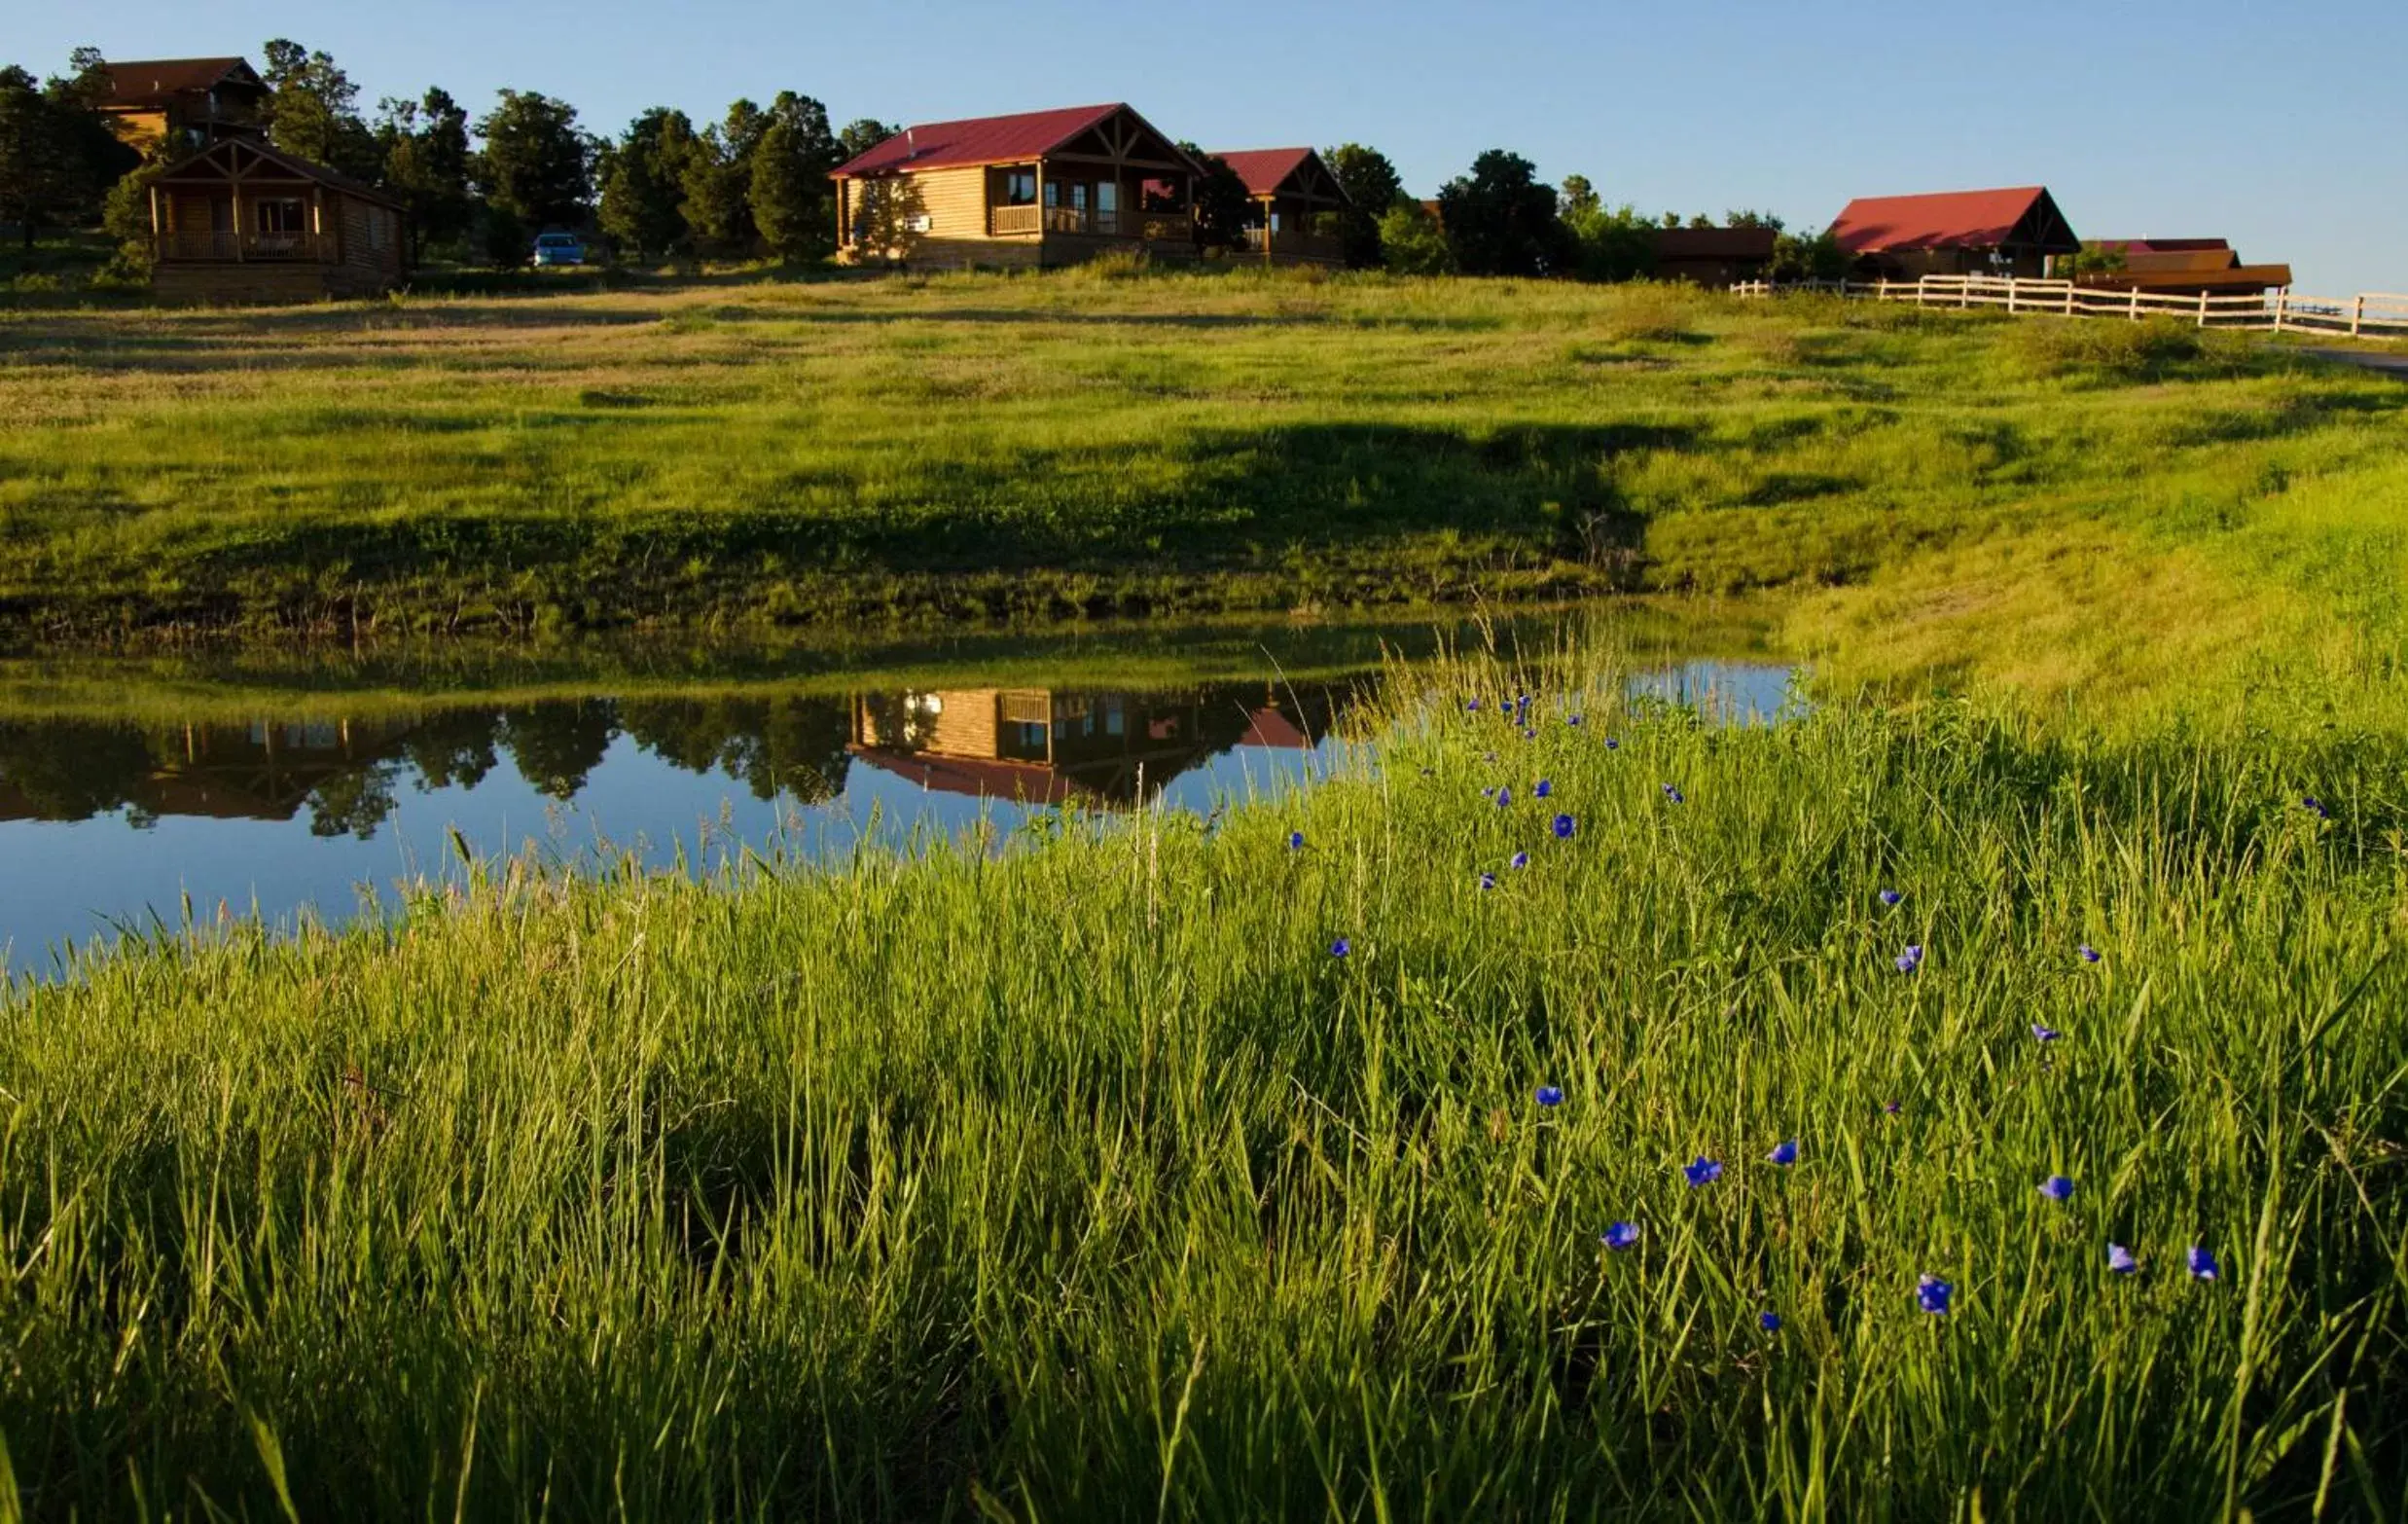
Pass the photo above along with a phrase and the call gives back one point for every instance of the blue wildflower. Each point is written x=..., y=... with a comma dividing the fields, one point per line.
x=1704, y=1172
x=2090, y=954
x=1889, y=1109
x=1520, y=859
x=2202, y=1265
x=2316, y=807
x=1504, y=797
x=1786, y=1153
x=1544, y=788
x=1673, y=794
x=1295, y=841
x=1564, y=827
x=1550, y=1094
x=1769, y=1322
x=1340, y=948
x=1487, y=881
x=2042, y=1033
x=2057, y=1188
x=1529, y=734
x=1912, y=959
x=1892, y=898
x=1619, y=1235
x=2120, y=1260
x=1471, y=707
x=1572, y=721
x=1931, y=1294
x=1611, y=744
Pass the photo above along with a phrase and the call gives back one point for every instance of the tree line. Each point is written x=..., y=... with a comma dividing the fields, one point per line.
x=752, y=184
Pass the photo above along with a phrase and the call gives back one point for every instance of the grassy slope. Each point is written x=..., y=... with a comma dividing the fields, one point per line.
x=1087, y=1181
x=987, y=445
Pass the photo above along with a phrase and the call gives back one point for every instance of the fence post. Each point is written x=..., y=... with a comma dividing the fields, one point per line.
x=2203, y=310
x=2282, y=299
x=2068, y=299
x=2358, y=315
x=2134, y=308
x=2011, y=294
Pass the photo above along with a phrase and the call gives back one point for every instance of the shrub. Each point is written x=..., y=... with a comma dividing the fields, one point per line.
x=2158, y=349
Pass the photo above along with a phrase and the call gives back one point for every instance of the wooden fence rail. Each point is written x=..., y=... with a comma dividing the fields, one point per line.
x=2371, y=314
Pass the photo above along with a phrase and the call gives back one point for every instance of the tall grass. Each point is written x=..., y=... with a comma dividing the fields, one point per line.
x=1082, y=1181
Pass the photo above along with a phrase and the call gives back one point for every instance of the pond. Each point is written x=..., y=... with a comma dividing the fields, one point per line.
x=135, y=799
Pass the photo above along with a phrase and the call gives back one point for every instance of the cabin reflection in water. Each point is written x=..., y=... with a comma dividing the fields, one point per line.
x=1042, y=745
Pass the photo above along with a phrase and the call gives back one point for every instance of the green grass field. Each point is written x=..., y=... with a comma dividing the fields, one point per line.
x=1086, y=1184
x=1082, y=1180
x=734, y=454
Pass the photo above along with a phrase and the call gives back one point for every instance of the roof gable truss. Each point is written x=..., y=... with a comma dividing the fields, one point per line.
x=1125, y=139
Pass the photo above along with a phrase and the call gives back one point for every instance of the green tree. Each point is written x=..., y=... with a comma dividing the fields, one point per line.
x=1578, y=198
x=789, y=193
x=1816, y=258
x=1411, y=241
x=1501, y=220
x=718, y=179
x=1752, y=219
x=1372, y=186
x=314, y=110
x=537, y=165
x=426, y=163
x=886, y=217
x=643, y=183
x=57, y=155
x=1609, y=244
x=1222, y=205
x=862, y=134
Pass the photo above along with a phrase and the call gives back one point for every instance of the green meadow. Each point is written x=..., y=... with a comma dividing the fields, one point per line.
x=735, y=456
x=1156, y=1166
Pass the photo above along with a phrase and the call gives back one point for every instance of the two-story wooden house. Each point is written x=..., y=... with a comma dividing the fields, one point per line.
x=178, y=104
x=1041, y=188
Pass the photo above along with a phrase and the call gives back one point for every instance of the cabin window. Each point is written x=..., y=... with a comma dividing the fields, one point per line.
x=279, y=215
x=1159, y=196
x=1020, y=188
x=1108, y=197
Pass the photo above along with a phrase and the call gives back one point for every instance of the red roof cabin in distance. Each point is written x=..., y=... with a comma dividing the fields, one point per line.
x=1294, y=203
x=2017, y=232
x=1036, y=188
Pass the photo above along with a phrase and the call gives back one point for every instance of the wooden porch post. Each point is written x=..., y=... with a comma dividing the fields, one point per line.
x=1267, y=216
x=159, y=230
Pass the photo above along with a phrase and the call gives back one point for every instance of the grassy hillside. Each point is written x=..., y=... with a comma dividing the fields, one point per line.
x=1088, y=1183
x=742, y=455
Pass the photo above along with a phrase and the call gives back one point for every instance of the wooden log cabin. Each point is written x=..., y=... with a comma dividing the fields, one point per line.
x=1955, y=232
x=1042, y=188
x=1296, y=204
x=245, y=222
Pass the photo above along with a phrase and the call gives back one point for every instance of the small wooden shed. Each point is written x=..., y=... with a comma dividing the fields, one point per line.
x=1717, y=258
x=245, y=222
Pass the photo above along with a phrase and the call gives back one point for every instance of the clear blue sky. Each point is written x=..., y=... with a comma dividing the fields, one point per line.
x=2280, y=126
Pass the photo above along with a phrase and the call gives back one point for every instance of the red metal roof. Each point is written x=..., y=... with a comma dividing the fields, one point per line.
x=1268, y=727
x=2156, y=245
x=139, y=83
x=1947, y=220
x=978, y=140
x=1264, y=169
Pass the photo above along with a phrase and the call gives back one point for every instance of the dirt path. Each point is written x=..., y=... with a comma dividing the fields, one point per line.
x=2387, y=364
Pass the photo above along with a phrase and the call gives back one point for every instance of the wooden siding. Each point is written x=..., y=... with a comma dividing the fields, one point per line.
x=954, y=202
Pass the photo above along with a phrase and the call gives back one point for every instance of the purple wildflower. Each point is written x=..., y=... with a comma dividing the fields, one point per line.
x=1564, y=827
x=2316, y=807
x=2057, y=1188
x=1704, y=1172
x=1487, y=881
x=2090, y=954
x=2202, y=1264
x=1674, y=794
x=1340, y=948
x=1544, y=788
x=2120, y=1260
x=1912, y=959
x=1892, y=898
x=1295, y=841
x=1504, y=797
x=2042, y=1033
x=1784, y=1153
x=1619, y=1235
x=1769, y=1322
x=1931, y=1294
x=1550, y=1094
x=1520, y=859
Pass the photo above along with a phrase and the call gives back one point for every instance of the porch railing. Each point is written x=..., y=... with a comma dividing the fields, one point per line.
x=265, y=246
x=1154, y=227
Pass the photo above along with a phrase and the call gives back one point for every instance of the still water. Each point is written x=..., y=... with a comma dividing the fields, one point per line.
x=184, y=800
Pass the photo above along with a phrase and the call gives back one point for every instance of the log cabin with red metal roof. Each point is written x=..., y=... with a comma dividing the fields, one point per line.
x=1296, y=201
x=2182, y=267
x=1037, y=189
x=1716, y=258
x=2013, y=231
x=245, y=222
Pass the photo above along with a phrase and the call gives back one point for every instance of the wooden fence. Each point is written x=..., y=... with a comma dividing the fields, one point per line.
x=2372, y=315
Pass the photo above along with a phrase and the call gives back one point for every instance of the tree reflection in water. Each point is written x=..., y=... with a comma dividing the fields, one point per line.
x=1112, y=749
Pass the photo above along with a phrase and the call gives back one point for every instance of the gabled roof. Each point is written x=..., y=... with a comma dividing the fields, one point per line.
x=2157, y=245
x=2024, y=216
x=1273, y=171
x=239, y=158
x=138, y=84
x=986, y=140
